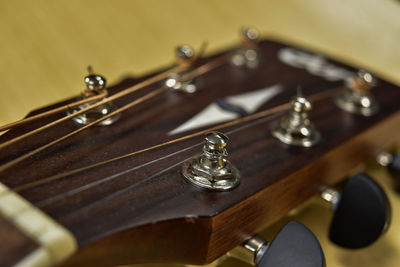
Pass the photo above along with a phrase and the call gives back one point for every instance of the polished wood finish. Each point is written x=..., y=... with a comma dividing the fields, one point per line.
x=150, y=213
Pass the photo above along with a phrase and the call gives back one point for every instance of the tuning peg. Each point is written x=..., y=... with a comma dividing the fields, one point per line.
x=250, y=37
x=211, y=169
x=247, y=54
x=361, y=212
x=95, y=84
x=296, y=127
x=184, y=56
x=294, y=246
x=358, y=99
x=392, y=162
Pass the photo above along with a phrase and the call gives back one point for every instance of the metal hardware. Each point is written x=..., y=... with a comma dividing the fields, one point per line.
x=358, y=98
x=184, y=55
x=250, y=35
x=211, y=169
x=247, y=55
x=296, y=127
x=332, y=196
x=95, y=84
x=384, y=159
x=173, y=82
x=250, y=251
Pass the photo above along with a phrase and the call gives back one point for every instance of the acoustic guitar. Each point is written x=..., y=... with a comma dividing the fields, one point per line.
x=183, y=165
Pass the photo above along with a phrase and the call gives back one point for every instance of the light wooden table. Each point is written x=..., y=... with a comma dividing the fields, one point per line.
x=46, y=45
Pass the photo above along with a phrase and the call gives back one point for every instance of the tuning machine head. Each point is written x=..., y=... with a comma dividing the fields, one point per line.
x=392, y=162
x=250, y=37
x=248, y=54
x=295, y=245
x=296, y=128
x=95, y=85
x=174, y=82
x=184, y=56
x=211, y=169
x=358, y=99
x=361, y=212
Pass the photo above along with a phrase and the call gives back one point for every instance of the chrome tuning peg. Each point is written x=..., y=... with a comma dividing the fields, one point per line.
x=294, y=246
x=358, y=98
x=296, y=128
x=95, y=85
x=391, y=161
x=184, y=56
x=361, y=212
x=211, y=169
x=247, y=54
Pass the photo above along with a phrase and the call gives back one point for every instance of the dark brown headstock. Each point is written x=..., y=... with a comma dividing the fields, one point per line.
x=141, y=209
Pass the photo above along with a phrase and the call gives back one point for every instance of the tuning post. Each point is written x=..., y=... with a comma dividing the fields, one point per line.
x=247, y=54
x=358, y=99
x=174, y=82
x=385, y=159
x=95, y=85
x=331, y=195
x=211, y=169
x=184, y=56
x=296, y=128
x=391, y=161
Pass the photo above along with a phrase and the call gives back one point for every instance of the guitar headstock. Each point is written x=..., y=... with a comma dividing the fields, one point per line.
x=124, y=189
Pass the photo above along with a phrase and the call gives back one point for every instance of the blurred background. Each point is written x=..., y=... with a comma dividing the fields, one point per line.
x=46, y=46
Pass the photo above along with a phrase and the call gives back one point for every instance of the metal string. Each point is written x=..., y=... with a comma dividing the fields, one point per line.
x=53, y=111
x=77, y=190
x=106, y=179
x=314, y=98
x=182, y=65
x=125, y=92
x=188, y=76
x=262, y=114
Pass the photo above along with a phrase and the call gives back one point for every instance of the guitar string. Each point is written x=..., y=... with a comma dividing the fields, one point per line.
x=125, y=92
x=173, y=69
x=53, y=111
x=313, y=98
x=77, y=190
x=45, y=202
x=261, y=114
x=187, y=76
x=126, y=189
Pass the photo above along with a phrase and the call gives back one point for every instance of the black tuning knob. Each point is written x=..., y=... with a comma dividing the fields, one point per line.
x=392, y=162
x=294, y=246
x=362, y=213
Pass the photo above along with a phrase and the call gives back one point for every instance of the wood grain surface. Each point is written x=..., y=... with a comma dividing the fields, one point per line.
x=47, y=45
